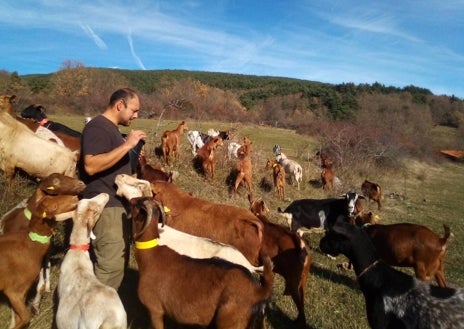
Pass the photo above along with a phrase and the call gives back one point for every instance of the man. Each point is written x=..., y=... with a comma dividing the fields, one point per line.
x=104, y=155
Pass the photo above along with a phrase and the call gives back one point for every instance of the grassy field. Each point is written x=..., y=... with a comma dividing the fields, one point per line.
x=428, y=194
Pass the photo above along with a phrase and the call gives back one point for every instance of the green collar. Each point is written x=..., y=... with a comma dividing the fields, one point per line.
x=39, y=238
x=27, y=213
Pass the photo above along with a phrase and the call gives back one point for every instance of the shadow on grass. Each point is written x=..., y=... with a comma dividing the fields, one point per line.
x=336, y=277
x=277, y=318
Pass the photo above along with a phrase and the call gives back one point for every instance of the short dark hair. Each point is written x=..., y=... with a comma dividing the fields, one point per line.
x=123, y=93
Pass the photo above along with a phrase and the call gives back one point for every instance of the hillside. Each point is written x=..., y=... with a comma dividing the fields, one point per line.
x=392, y=121
x=417, y=192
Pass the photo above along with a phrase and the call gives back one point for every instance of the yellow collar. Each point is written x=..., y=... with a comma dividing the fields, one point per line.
x=146, y=244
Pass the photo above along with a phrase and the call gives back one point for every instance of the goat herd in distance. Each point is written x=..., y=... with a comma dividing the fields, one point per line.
x=229, y=258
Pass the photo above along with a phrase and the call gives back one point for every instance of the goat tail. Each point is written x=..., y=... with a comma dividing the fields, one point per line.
x=267, y=280
x=446, y=234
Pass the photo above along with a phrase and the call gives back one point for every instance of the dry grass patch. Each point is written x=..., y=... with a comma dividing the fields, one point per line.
x=420, y=193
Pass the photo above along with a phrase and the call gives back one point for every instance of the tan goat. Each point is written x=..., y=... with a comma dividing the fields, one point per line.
x=278, y=176
x=206, y=156
x=244, y=168
x=170, y=142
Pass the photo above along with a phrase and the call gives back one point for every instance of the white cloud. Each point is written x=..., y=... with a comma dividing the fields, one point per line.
x=98, y=41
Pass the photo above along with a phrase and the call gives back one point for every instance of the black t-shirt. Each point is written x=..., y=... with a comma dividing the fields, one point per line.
x=100, y=135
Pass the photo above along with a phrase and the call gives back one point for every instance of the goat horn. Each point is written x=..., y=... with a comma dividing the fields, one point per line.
x=162, y=212
x=149, y=209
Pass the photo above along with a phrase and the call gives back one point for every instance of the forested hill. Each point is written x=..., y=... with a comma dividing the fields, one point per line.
x=269, y=100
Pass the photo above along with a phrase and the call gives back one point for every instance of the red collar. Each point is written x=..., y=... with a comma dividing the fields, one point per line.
x=83, y=247
x=44, y=121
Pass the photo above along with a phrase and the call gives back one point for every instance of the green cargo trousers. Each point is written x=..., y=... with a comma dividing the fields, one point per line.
x=111, y=247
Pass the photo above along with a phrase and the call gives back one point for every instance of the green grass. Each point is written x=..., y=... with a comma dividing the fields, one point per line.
x=431, y=194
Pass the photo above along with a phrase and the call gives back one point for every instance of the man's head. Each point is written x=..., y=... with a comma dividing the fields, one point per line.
x=125, y=104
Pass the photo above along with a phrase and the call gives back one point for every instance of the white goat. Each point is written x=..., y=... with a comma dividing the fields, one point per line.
x=194, y=137
x=47, y=134
x=292, y=168
x=232, y=149
x=131, y=187
x=85, y=302
x=21, y=148
x=181, y=242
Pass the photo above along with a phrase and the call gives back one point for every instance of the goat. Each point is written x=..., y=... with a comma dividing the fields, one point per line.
x=181, y=242
x=372, y=191
x=362, y=219
x=224, y=134
x=232, y=149
x=71, y=142
x=206, y=157
x=170, y=142
x=320, y=213
x=411, y=245
x=292, y=168
x=327, y=178
x=244, y=168
x=21, y=256
x=38, y=113
x=149, y=172
x=325, y=160
x=197, y=140
x=47, y=134
x=132, y=187
x=220, y=222
x=393, y=299
x=225, y=295
x=290, y=256
x=84, y=301
x=278, y=177
x=21, y=148
x=48, y=192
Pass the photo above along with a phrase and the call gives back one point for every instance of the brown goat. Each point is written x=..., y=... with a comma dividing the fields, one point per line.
x=289, y=255
x=327, y=177
x=372, y=191
x=412, y=245
x=193, y=291
x=244, y=167
x=278, y=176
x=54, y=184
x=150, y=173
x=207, y=157
x=361, y=219
x=21, y=255
x=170, y=142
x=49, y=191
x=220, y=222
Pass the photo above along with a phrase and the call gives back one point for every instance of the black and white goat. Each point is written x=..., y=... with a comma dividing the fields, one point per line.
x=393, y=299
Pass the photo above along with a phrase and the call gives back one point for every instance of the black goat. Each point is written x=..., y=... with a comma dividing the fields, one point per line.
x=393, y=299
x=37, y=113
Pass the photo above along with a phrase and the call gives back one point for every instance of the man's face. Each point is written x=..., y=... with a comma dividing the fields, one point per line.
x=129, y=111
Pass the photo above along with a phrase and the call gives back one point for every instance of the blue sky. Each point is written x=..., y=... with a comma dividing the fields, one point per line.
x=397, y=43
